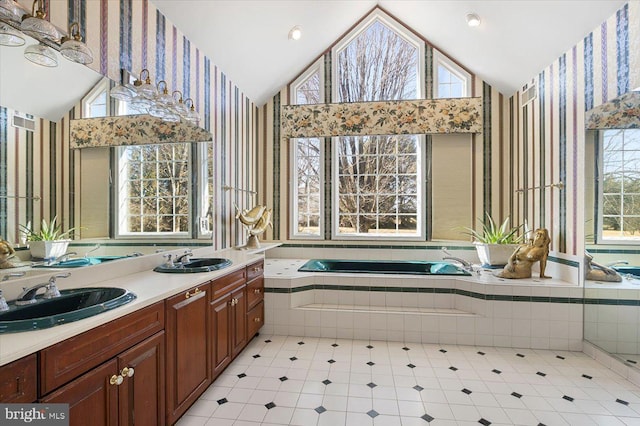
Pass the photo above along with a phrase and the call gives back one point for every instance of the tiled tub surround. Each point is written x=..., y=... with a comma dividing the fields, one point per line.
x=478, y=310
x=612, y=316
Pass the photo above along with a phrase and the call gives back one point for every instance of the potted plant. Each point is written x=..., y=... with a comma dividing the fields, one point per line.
x=495, y=244
x=50, y=242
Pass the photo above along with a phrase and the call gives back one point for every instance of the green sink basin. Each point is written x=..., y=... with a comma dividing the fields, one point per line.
x=81, y=261
x=203, y=264
x=72, y=305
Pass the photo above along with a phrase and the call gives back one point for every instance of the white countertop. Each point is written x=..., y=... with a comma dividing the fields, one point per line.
x=134, y=274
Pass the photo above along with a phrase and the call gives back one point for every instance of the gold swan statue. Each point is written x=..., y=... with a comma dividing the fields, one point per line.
x=256, y=221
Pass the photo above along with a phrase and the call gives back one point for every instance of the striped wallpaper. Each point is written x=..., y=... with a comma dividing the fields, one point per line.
x=130, y=34
x=602, y=66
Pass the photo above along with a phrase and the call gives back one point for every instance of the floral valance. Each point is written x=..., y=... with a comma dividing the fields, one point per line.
x=132, y=130
x=422, y=116
x=620, y=113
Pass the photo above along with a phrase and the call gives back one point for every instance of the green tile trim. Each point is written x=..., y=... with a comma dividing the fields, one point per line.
x=460, y=292
x=613, y=251
x=572, y=263
x=372, y=246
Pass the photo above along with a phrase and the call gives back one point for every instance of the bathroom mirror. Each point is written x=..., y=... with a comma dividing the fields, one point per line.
x=612, y=227
x=37, y=104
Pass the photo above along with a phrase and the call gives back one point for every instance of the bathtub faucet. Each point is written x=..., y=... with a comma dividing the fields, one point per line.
x=465, y=265
x=616, y=263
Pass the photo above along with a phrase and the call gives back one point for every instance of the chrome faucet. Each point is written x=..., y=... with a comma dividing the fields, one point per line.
x=186, y=255
x=28, y=295
x=466, y=265
x=62, y=258
x=616, y=263
x=169, y=262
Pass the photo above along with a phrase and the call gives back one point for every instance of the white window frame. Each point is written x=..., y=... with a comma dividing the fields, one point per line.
x=317, y=67
x=407, y=35
x=452, y=67
x=121, y=108
x=203, y=190
x=97, y=90
x=379, y=15
x=601, y=239
x=420, y=190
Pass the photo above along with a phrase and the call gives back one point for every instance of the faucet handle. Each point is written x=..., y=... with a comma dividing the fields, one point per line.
x=52, y=279
x=169, y=262
x=3, y=303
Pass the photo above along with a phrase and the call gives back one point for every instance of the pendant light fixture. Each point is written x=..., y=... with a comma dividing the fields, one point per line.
x=36, y=26
x=10, y=37
x=41, y=54
x=10, y=10
x=74, y=49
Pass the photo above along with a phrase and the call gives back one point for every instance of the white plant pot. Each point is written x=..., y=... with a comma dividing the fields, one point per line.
x=48, y=249
x=495, y=254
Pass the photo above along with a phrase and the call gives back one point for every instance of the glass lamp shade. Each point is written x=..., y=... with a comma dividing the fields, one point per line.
x=171, y=117
x=10, y=11
x=192, y=116
x=10, y=37
x=41, y=54
x=159, y=111
x=39, y=28
x=147, y=90
x=76, y=51
x=140, y=104
x=122, y=93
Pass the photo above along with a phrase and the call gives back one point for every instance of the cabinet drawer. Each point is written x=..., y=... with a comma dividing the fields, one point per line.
x=255, y=319
x=255, y=292
x=255, y=270
x=228, y=283
x=70, y=358
x=18, y=381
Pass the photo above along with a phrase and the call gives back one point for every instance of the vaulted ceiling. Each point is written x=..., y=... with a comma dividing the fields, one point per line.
x=247, y=39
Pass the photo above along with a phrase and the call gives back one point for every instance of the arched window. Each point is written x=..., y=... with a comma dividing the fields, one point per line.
x=378, y=189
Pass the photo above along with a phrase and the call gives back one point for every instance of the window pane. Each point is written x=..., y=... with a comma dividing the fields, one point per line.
x=371, y=201
x=154, y=189
x=621, y=183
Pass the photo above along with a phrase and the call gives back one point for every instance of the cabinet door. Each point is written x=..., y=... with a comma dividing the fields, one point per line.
x=92, y=398
x=220, y=315
x=239, y=325
x=187, y=350
x=18, y=381
x=141, y=395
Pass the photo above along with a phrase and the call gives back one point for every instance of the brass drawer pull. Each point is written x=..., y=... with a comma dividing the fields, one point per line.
x=257, y=319
x=127, y=372
x=116, y=380
x=196, y=291
x=257, y=269
x=256, y=291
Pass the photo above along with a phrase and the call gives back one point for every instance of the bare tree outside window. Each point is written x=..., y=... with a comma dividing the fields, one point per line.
x=621, y=184
x=154, y=189
x=378, y=177
x=308, y=162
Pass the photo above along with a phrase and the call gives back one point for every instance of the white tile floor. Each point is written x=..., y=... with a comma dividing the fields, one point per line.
x=281, y=380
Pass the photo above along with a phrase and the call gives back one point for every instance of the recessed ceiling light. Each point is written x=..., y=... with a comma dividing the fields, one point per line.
x=473, y=20
x=295, y=33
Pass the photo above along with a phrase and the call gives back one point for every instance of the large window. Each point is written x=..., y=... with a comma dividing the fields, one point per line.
x=153, y=191
x=307, y=155
x=621, y=184
x=377, y=180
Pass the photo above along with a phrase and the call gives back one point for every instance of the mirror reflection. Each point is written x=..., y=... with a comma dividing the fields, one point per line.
x=120, y=201
x=612, y=234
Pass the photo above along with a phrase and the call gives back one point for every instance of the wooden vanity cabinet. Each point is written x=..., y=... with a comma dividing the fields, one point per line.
x=187, y=330
x=255, y=298
x=18, y=381
x=127, y=390
x=227, y=320
x=112, y=374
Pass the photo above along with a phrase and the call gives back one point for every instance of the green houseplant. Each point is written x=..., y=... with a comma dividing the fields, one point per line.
x=49, y=242
x=495, y=243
